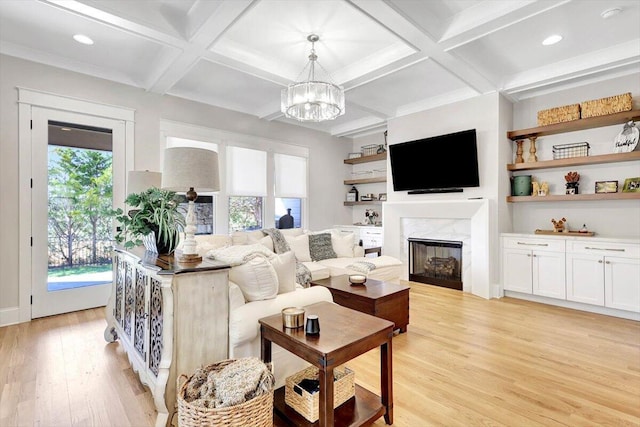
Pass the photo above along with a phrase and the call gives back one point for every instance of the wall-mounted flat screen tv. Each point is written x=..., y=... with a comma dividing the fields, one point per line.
x=445, y=163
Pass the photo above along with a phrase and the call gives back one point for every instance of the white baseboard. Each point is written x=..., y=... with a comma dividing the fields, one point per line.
x=576, y=305
x=9, y=316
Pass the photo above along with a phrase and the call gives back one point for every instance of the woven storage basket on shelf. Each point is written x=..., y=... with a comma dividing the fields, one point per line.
x=565, y=113
x=605, y=106
x=257, y=412
x=308, y=404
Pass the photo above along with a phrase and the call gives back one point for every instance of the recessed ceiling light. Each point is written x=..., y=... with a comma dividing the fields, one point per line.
x=552, y=40
x=610, y=12
x=81, y=38
x=66, y=129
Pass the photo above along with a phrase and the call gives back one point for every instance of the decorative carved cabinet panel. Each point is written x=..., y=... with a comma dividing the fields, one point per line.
x=169, y=318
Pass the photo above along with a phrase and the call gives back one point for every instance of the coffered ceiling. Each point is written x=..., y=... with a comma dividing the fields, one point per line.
x=393, y=57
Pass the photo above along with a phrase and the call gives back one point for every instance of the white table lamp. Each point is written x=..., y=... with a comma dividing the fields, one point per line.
x=192, y=169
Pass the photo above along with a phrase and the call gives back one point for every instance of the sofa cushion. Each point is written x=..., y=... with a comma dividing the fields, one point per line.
x=343, y=244
x=246, y=237
x=257, y=279
x=318, y=271
x=320, y=247
x=300, y=246
x=285, y=266
x=387, y=268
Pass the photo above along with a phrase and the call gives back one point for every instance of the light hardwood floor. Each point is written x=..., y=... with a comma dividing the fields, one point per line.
x=464, y=361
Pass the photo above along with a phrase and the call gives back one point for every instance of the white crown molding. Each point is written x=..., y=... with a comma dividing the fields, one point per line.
x=436, y=101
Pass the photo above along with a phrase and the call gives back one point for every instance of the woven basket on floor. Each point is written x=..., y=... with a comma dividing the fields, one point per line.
x=257, y=412
x=308, y=404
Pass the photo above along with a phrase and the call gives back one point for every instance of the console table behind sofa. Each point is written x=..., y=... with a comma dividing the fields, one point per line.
x=170, y=318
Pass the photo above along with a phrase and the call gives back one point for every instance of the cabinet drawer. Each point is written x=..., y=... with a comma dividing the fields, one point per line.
x=604, y=248
x=555, y=245
x=373, y=233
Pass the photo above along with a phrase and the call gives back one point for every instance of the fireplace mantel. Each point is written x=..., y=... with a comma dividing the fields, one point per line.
x=476, y=210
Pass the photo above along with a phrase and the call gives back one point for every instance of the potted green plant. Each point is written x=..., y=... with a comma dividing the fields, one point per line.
x=152, y=211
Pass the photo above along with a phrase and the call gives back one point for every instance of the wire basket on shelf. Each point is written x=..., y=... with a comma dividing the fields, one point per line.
x=369, y=150
x=566, y=151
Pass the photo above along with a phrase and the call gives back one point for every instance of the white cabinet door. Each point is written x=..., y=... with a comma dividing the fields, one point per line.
x=371, y=237
x=622, y=283
x=585, y=278
x=549, y=274
x=517, y=273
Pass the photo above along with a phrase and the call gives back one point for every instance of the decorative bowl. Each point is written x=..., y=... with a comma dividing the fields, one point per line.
x=293, y=317
x=357, y=279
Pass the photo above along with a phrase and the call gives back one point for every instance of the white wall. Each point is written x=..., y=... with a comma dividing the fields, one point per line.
x=617, y=218
x=326, y=153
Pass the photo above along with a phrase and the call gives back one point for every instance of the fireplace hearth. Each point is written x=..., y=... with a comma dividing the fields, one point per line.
x=436, y=262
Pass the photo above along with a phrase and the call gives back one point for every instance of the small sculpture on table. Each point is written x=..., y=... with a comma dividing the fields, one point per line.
x=560, y=226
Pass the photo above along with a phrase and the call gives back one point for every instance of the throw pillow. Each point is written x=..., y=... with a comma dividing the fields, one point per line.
x=257, y=279
x=343, y=244
x=300, y=246
x=267, y=242
x=320, y=247
x=285, y=266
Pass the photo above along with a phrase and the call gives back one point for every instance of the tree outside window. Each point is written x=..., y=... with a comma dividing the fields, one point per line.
x=245, y=213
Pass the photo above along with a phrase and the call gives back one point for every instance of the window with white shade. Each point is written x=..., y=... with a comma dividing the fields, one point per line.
x=246, y=187
x=290, y=185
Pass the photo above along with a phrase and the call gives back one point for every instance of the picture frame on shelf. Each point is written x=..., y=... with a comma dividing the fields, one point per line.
x=606, y=187
x=631, y=185
x=355, y=155
x=382, y=197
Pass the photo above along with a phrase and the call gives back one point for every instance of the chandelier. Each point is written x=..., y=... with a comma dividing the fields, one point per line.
x=312, y=100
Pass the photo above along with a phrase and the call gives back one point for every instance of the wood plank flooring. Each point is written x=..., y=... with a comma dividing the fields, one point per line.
x=464, y=361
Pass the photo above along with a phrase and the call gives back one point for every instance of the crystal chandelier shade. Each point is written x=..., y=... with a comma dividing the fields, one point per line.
x=312, y=100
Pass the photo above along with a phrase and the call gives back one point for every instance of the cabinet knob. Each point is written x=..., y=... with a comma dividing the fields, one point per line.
x=607, y=262
x=600, y=261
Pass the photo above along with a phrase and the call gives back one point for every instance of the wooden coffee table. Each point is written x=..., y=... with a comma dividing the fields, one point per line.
x=381, y=299
x=344, y=335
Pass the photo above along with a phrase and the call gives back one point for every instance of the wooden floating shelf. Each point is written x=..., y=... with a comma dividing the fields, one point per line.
x=371, y=202
x=575, y=125
x=365, y=159
x=576, y=161
x=365, y=180
x=574, y=197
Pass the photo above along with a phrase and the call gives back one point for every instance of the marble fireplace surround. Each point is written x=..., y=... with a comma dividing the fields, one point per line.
x=462, y=220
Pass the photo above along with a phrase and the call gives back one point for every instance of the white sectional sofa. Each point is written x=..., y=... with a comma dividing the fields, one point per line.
x=350, y=257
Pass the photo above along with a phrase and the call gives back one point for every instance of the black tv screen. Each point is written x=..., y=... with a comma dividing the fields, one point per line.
x=437, y=164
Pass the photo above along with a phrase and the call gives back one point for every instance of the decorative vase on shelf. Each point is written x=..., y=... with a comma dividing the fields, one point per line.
x=572, y=188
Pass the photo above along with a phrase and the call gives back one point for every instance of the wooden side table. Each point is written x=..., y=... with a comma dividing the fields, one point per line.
x=344, y=334
x=381, y=299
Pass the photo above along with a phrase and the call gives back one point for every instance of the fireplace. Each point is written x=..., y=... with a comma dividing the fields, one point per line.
x=436, y=262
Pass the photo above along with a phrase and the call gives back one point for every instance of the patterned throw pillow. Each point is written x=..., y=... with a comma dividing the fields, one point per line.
x=320, y=247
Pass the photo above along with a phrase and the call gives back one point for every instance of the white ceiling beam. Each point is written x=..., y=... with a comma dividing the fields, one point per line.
x=210, y=28
x=486, y=17
x=405, y=29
